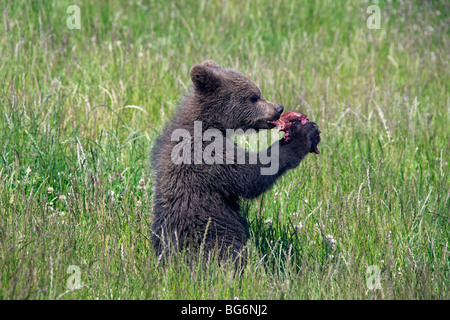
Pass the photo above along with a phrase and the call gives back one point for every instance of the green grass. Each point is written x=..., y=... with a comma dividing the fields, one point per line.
x=80, y=109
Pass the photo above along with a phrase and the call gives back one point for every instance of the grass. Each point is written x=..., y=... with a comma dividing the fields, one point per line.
x=80, y=109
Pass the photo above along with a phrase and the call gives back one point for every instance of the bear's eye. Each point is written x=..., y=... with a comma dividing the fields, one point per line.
x=254, y=98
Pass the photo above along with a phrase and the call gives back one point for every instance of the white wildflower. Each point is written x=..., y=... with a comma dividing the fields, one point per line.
x=331, y=241
x=142, y=185
x=299, y=226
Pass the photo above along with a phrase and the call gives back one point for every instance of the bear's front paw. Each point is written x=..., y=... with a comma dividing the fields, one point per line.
x=305, y=136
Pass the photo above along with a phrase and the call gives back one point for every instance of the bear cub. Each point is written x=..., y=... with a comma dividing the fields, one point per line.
x=196, y=203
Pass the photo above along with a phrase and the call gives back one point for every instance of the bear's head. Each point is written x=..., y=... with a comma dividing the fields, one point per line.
x=230, y=100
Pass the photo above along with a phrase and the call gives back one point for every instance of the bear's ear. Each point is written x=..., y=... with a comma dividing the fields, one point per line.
x=210, y=63
x=205, y=77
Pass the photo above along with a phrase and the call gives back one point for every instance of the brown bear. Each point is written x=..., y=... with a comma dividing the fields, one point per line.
x=196, y=199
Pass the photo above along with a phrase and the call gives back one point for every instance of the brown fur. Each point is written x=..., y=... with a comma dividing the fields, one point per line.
x=198, y=205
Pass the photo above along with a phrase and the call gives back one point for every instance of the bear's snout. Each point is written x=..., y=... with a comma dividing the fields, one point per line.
x=279, y=109
x=273, y=111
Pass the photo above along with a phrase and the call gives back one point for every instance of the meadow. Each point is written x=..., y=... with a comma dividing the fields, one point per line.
x=80, y=109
